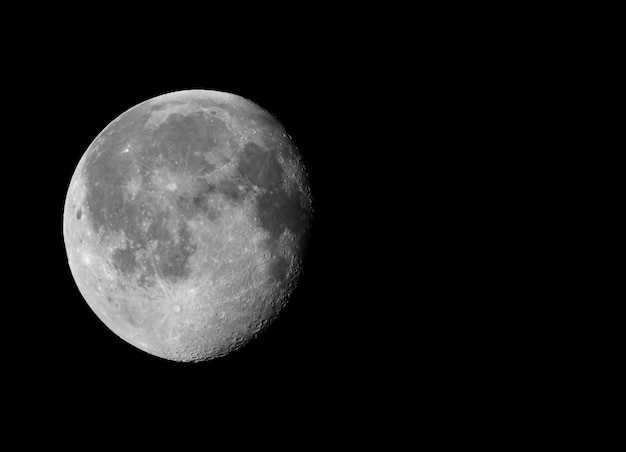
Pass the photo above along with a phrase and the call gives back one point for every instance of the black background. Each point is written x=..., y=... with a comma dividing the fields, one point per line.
x=363, y=93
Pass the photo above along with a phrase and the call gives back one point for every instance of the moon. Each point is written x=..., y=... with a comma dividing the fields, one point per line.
x=186, y=223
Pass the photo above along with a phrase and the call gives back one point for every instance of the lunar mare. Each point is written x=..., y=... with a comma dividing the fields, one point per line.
x=185, y=223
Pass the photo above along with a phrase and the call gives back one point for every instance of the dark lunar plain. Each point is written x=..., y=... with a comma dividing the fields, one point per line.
x=318, y=337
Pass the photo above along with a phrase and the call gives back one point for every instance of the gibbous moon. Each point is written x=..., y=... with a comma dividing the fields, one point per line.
x=185, y=223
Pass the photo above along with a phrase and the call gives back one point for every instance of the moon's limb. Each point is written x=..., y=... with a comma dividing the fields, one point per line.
x=185, y=223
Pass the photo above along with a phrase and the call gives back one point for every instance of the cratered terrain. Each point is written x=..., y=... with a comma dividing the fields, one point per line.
x=186, y=222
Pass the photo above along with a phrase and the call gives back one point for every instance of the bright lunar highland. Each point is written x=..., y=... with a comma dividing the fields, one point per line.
x=186, y=221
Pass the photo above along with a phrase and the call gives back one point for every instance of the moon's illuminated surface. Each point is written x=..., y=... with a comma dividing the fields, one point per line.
x=185, y=223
